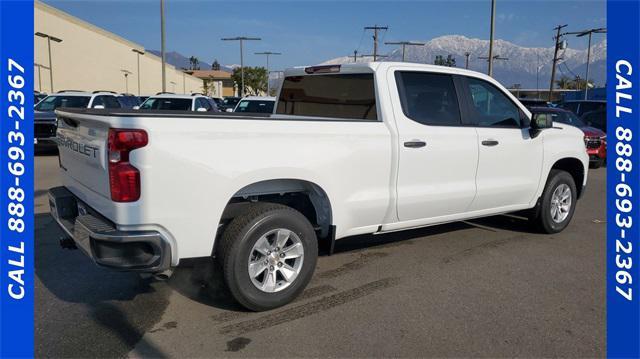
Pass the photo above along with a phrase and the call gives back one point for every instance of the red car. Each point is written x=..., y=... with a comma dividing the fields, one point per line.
x=595, y=140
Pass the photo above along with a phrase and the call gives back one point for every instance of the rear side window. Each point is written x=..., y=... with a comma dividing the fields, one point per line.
x=255, y=106
x=347, y=96
x=428, y=98
x=166, y=103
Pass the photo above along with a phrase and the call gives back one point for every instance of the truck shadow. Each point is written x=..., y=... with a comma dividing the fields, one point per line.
x=82, y=302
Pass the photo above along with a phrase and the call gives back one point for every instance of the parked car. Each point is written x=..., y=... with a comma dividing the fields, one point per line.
x=351, y=149
x=531, y=102
x=229, y=102
x=594, y=139
x=45, y=117
x=173, y=102
x=597, y=119
x=128, y=100
x=38, y=96
x=256, y=104
x=580, y=107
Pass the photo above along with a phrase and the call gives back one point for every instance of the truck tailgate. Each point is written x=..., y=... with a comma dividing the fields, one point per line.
x=82, y=144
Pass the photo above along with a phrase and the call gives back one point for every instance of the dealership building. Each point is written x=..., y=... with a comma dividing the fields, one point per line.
x=71, y=54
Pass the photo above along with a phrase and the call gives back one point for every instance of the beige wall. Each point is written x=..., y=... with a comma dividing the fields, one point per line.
x=89, y=58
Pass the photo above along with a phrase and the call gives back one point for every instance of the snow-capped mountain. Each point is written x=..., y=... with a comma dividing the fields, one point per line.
x=520, y=68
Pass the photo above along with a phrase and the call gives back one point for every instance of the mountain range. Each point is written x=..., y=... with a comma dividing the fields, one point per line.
x=182, y=62
x=520, y=68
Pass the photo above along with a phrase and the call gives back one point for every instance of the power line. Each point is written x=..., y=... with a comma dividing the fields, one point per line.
x=404, y=44
x=555, y=57
x=375, y=29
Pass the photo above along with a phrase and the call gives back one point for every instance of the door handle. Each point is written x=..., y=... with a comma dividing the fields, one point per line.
x=490, y=143
x=415, y=144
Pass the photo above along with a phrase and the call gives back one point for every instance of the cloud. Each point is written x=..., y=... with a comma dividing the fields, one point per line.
x=506, y=17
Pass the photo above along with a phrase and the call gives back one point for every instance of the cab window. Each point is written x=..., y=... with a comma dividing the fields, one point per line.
x=428, y=98
x=491, y=107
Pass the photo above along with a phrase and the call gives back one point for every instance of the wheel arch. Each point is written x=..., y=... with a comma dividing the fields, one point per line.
x=306, y=197
x=575, y=168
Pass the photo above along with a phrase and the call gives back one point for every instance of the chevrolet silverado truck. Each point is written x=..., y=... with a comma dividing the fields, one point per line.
x=350, y=149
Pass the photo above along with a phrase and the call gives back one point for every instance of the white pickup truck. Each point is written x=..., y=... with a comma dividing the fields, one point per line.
x=351, y=149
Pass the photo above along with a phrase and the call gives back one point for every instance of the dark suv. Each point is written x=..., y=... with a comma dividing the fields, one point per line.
x=580, y=107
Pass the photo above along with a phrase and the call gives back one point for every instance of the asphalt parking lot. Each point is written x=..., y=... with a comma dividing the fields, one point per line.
x=485, y=288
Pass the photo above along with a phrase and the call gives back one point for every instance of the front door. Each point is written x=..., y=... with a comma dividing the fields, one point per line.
x=510, y=160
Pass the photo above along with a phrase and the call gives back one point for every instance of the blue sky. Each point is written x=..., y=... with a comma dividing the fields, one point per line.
x=309, y=32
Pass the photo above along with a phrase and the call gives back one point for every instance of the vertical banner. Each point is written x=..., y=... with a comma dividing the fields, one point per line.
x=623, y=180
x=16, y=187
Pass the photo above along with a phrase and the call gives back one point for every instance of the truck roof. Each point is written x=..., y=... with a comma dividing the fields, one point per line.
x=370, y=67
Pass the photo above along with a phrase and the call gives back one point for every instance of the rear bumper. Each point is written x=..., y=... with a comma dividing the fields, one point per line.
x=98, y=238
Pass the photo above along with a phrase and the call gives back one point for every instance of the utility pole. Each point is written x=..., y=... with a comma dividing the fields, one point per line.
x=466, y=61
x=267, y=54
x=355, y=56
x=162, y=48
x=601, y=30
x=138, y=53
x=555, y=58
x=49, y=39
x=241, y=39
x=375, y=29
x=404, y=44
x=493, y=16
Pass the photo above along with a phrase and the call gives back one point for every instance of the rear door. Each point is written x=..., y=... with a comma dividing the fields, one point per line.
x=438, y=153
x=510, y=160
x=82, y=151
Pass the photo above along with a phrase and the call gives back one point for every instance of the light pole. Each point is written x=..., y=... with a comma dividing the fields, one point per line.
x=126, y=79
x=39, y=66
x=49, y=39
x=162, y=48
x=404, y=44
x=138, y=53
x=589, y=32
x=241, y=39
x=493, y=16
x=267, y=54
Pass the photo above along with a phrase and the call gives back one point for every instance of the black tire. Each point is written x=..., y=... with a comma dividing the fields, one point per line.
x=543, y=219
x=236, y=246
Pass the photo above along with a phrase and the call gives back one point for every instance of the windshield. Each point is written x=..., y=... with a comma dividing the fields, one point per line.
x=568, y=118
x=255, y=106
x=165, y=103
x=230, y=101
x=51, y=103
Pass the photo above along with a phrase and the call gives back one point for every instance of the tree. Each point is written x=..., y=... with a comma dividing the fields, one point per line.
x=194, y=63
x=215, y=65
x=576, y=83
x=450, y=61
x=255, y=80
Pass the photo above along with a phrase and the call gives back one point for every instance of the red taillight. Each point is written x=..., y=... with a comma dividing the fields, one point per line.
x=124, y=179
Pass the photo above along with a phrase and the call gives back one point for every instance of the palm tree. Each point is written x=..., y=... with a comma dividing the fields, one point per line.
x=194, y=63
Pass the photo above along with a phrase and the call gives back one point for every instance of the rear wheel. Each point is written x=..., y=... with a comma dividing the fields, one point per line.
x=268, y=255
x=557, y=203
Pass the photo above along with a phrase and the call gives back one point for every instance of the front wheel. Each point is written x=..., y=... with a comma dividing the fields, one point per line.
x=558, y=202
x=268, y=256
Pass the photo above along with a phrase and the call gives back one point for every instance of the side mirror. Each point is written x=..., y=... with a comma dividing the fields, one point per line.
x=539, y=122
x=99, y=107
x=136, y=107
x=229, y=110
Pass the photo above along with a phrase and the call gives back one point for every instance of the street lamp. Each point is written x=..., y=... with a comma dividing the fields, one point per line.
x=267, y=54
x=49, y=39
x=138, y=53
x=600, y=30
x=241, y=39
x=126, y=79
